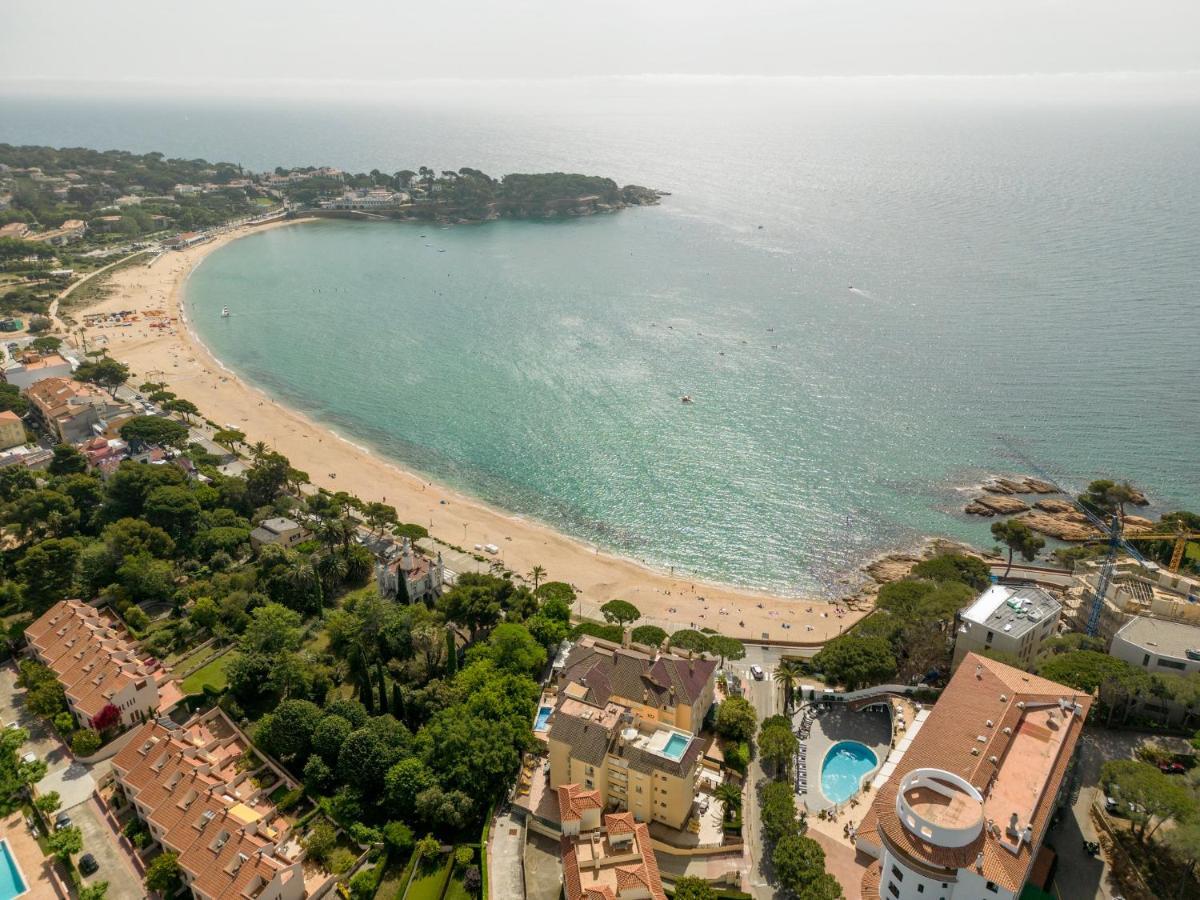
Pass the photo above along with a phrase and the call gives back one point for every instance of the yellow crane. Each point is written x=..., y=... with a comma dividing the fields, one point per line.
x=1180, y=538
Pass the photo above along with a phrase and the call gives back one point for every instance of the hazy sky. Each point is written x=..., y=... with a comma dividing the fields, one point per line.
x=286, y=46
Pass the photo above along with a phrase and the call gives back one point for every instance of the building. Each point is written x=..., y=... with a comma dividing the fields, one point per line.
x=72, y=412
x=378, y=198
x=1012, y=620
x=96, y=661
x=605, y=864
x=70, y=230
x=279, y=531
x=28, y=455
x=106, y=224
x=624, y=725
x=191, y=786
x=964, y=813
x=33, y=368
x=1159, y=646
x=12, y=430
x=423, y=577
x=1134, y=590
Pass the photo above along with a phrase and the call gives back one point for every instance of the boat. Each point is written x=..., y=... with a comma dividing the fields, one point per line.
x=224, y=312
x=686, y=398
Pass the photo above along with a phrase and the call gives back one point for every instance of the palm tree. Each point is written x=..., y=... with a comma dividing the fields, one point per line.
x=729, y=795
x=787, y=673
x=259, y=449
x=536, y=574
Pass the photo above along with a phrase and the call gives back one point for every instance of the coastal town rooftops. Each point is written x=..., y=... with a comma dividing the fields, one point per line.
x=574, y=801
x=1013, y=611
x=978, y=785
x=597, y=866
x=610, y=670
x=1176, y=640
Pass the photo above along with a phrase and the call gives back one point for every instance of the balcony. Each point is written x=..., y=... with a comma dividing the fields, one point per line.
x=940, y=807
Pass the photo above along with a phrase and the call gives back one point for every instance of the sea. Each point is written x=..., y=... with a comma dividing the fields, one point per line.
x=873, y=305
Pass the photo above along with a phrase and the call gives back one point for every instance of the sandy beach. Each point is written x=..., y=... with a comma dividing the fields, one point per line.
x=173, y=354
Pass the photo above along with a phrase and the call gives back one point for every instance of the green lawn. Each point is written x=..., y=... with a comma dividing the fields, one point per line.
x=213, y=674
x=429, y=880
x=394, y=879
x=456, y=890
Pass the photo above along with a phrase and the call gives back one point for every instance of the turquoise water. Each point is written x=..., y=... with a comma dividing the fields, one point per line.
x=845, y=765
x=1023, y=291
x=675, y=746
x=12, y=884
x=543, y=717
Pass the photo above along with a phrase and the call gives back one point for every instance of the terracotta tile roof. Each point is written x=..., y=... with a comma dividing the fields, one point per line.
x=958, y=739
x=619, y=823
x=871, y=879
x=587, y=739
x=574, y=801
x=639, y=875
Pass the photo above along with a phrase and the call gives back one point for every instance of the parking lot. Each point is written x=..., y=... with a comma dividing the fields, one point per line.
x=98, y=840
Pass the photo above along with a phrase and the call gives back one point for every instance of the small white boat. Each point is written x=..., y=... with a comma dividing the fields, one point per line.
x=224, y=312
x=686, y=398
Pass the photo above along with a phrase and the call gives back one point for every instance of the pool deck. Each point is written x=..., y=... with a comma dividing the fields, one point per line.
x=870, y=728
x=35, y=868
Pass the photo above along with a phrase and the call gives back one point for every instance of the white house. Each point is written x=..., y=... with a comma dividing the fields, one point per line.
x=1013, y=620
x=1158, y=646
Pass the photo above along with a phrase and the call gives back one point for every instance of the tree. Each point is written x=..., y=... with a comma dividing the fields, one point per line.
x=229, y=437
x=512, y=648
x=12, y=401
x=687, y=639
x=105, y=372
x=320, y=841
x=108, y=716
x=1105, y=497
x=970, y=570
x=856, y=661
x=156, y=431
x=621, y=612
x=1084, y=670
x=1018, y=537
x=797, y=860
x=689, y=887
x=273, y=629
x=48, y=802
x=822, y=887
x=174, y=509
x=777, y=745
x=474, y=601
x=67, y=461
x=289, y=731
x=65, y=841
x=399, y=838
x=736, y=719
x=379, y=516
x=726, y=648
x=536, y=574
x=45, y=345
x=787, y=673
x=364, y=761
x=729, y=795
x=1183, y=843
x=1156, y=798
x=428, y=847
x=48, y=571
x=185, y=408
x=97, y=890
x=404, y=782
x=649, y=635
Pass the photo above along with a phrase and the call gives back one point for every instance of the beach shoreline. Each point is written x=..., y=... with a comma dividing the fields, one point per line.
x=176, y=355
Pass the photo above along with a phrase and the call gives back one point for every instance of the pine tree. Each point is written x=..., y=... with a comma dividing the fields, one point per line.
x=402, y=588
x=451, y=652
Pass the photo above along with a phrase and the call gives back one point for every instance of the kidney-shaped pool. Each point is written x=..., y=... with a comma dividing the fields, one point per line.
x=843, y=769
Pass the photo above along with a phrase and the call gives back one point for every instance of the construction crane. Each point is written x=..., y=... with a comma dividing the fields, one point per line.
x=1180, y=538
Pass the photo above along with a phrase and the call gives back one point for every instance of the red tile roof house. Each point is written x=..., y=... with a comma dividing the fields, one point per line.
x=616, y=862
x=186, y=784
x=966, y=810
x=96, y=662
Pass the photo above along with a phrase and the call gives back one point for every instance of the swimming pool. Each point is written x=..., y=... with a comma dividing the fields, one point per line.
x=542, y=722
x=675, y=745
x=12, y=883
x=843, y=769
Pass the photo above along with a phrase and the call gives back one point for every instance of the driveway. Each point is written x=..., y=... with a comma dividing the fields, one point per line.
x=505, y=858
x=99, y=840
x=71, y=779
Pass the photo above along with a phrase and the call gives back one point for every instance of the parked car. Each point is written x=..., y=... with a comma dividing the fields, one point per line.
x=29, y=758
x=1172, y=768
x=61, y=821
x=88, y=864
x=758, y=673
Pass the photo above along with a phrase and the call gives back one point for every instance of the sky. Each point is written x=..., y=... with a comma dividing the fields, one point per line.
x=273, y=47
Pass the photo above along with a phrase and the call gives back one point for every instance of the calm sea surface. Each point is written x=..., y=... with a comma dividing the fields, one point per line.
x=1024, y=288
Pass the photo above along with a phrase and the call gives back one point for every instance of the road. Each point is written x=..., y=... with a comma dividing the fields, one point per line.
x=767, y=699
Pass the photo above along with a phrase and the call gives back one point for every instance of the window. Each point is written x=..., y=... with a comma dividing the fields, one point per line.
x=639, y=788
x=991, y=886
x=989, y=637
x=1146, y=660
x=896, y=871
x=1171, y=663
x=892, y=889
x=920, y=888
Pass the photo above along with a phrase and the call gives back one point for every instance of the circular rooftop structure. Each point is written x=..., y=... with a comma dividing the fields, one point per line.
x=940, y=807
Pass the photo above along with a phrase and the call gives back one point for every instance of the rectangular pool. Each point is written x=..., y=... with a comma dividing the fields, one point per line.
x=541, y=723
x=676, y=745
x=12, y=882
